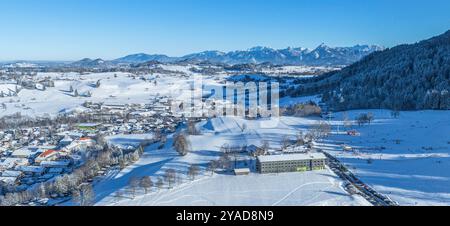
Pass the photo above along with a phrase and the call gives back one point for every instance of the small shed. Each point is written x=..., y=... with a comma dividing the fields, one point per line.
x=241, y=171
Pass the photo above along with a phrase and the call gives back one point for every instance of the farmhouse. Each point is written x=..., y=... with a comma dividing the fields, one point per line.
x=290, y=163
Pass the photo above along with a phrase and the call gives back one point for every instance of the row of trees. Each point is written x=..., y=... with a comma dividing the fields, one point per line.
x=146, y=183
x=17, y=120
x=365, y=118
x=302, y=110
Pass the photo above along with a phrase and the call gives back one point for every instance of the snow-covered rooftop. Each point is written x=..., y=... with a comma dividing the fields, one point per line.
x=291, y=157
x=26, y=152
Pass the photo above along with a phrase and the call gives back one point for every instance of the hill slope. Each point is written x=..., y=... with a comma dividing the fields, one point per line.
x=406, y=77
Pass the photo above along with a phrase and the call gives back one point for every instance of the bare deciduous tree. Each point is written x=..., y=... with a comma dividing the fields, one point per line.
x=320, y=130
x=118, y=196
x=181, y=144
x=395, y=113
x=285, y=142
x=134, y=184
x=347, y=122
x=192, y=129
x=84, y=196
x=300, y=139
x=212, y=166
x=225, y=161
x=265, y=146
x=146, y=183
x=159, y=183
x=170, y=176
x=193, y=171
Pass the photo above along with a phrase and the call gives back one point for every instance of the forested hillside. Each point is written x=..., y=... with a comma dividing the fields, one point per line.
x=406, y=77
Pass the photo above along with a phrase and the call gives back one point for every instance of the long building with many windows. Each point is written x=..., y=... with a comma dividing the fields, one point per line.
x=291, y=163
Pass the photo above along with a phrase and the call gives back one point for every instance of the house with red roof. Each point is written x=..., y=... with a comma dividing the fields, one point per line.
x=48, y=155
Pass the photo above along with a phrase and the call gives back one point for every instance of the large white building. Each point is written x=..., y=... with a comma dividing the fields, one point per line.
x=291, y=162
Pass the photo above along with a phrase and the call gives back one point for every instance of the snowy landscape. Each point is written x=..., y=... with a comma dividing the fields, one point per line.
x=355, y=125
x=398, y=154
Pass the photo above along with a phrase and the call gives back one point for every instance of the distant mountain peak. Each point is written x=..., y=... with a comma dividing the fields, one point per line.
x=323, y=46
x=260, y=48
x=143, y=57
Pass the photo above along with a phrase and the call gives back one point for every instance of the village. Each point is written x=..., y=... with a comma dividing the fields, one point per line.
x=36, y=154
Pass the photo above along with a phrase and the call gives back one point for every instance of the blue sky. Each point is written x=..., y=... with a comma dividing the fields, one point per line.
x=74, y=29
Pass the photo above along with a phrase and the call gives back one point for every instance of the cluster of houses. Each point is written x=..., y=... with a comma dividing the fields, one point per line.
x=16, y=138
x=41, y=84
x=29, y=165
x=23, y=82
x=38, y=154
x=135, y=118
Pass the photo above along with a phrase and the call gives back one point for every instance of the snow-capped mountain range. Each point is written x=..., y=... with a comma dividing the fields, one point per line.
x=322, y=55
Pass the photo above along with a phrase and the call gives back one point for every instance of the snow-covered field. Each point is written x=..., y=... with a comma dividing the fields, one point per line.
x=310, y=188
x=115, y=88
x=6, y=88
x=409, y=162
x=321, y=188
x=409, y=156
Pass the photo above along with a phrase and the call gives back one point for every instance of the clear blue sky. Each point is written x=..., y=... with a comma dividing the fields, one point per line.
x=74, y=29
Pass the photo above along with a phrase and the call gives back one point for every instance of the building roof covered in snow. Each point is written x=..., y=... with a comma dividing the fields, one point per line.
x=11, y=173
x=31, y=169
x=11, y=162
x=61, y=163
x=8, y=180
x=291, y=157
x=26, y=152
